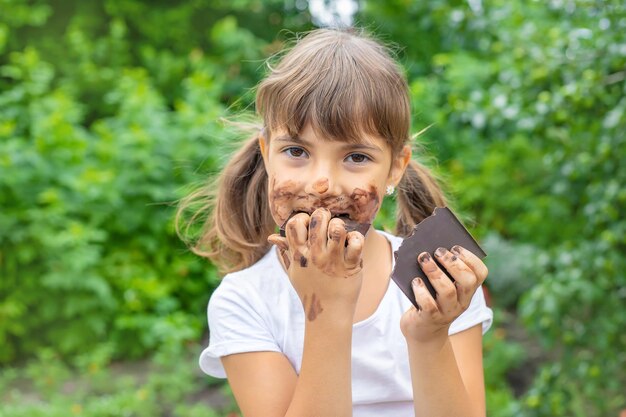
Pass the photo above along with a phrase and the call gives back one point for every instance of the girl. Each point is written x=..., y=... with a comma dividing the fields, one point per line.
x=309, y=324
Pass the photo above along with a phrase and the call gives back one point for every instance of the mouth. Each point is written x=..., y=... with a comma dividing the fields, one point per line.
x=339, y=214
x=351, y=225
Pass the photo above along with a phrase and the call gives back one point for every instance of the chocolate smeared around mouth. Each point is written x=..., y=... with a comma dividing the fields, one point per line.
x=351, y=225
x=288, y=196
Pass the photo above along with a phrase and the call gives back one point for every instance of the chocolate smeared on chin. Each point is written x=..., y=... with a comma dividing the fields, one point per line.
x=351, y=225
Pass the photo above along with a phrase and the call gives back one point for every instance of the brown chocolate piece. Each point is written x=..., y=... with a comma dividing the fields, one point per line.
x=441, y=229
x=351, y=225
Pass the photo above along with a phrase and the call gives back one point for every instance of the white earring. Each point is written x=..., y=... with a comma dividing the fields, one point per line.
x=390, y=189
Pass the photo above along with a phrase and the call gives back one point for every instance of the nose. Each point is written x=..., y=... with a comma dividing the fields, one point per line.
x=321, y=185
x=322, y=182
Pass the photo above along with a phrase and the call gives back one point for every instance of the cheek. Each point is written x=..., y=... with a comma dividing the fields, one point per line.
x=281, y=195
x=365, y=203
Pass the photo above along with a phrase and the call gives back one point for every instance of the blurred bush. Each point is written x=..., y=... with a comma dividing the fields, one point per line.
x=109, y=111
x=168, y=385
x=529, y=124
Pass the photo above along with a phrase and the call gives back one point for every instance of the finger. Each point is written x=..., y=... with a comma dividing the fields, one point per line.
x=352, y=253
x=465, y=280
x=473, y=261
x=283, y=248
x=336, y=238
x=297, y=231
x=279, y=241
x=318, y=227
x=444, y=287
x=285, y=257
x=424, y=300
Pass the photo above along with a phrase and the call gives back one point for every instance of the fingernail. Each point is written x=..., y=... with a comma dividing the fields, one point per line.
x=417, y=282
x=424, y=258
x=456, y=249
x=440, y=252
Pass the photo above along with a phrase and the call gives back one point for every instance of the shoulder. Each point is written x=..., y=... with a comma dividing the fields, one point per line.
x=258, y=289
x=394, y=241
x=262, y=272
x=241, y=313
x=254, y=309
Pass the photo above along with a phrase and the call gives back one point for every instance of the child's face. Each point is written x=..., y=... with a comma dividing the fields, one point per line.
x=309, y=172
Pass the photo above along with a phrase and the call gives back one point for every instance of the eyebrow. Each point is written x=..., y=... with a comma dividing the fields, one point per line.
x=289, y=138
x=348, y=146
x=362, y=146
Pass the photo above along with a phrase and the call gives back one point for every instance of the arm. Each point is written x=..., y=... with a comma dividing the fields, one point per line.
x=266, y=385
x=326, y=274
x=447, y=375
x=468, y=352
x=446, y=370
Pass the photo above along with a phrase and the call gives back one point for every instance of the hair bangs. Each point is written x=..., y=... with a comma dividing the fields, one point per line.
x=341, y=88
x=335, y=109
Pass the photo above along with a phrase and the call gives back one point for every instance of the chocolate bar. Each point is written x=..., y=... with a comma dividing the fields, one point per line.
x=440, y=229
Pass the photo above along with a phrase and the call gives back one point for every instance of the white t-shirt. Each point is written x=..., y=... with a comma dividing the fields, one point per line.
x=257, y=309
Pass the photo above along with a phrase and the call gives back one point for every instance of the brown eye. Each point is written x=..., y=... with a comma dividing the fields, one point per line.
x=295, y=152
x=358, y=158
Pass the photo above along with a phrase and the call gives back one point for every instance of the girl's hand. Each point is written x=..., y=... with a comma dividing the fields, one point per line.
x=434, y=317
x=322, y=260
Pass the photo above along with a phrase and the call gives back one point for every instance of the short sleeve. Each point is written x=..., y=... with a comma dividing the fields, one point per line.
x=236, y=325
x=476, y=313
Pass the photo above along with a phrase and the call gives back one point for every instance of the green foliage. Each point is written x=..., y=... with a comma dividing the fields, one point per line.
x=94, y=387
x=500, y=358
x=92, y=155
x=527, y=102
x=109, y=110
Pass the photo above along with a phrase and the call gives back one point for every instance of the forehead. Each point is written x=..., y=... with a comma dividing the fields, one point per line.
x=310, y=135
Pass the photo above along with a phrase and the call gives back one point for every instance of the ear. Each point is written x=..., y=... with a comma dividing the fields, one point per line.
x=398, y=165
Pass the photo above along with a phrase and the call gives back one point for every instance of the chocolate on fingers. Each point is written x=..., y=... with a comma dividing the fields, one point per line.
x=351, y=225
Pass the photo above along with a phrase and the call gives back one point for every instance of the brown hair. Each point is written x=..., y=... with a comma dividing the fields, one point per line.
x=344, y=84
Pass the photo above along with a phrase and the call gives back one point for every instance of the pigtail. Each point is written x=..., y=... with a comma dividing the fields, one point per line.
x=418, y=195
x=233, y=212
